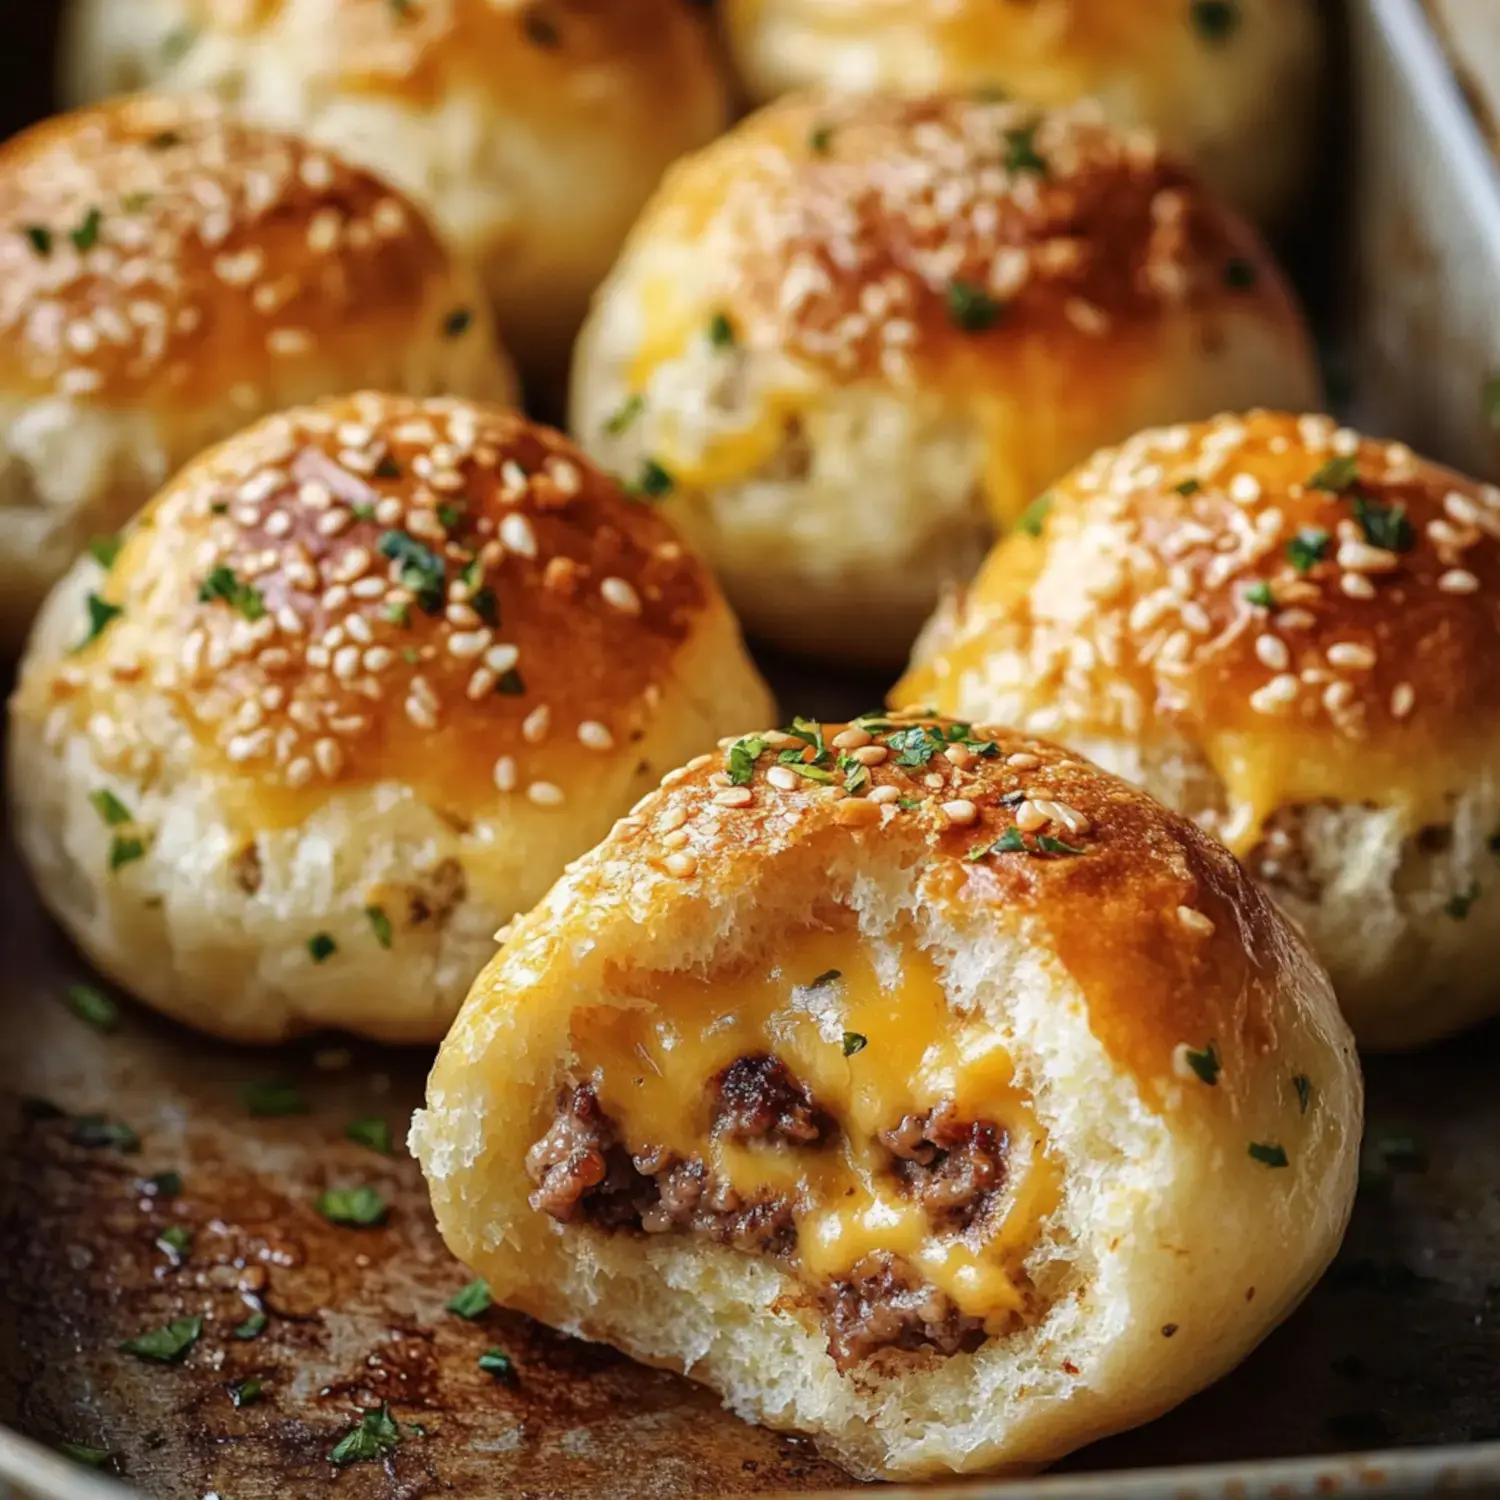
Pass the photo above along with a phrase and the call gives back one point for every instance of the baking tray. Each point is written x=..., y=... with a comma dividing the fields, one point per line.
x=1393, y=1363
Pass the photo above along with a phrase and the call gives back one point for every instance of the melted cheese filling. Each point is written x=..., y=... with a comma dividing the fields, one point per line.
x=653, y=1069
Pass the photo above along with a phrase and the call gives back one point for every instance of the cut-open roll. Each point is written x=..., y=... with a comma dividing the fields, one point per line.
x=921, y=1088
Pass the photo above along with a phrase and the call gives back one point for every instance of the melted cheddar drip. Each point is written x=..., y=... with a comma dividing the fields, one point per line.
x=653, y=1066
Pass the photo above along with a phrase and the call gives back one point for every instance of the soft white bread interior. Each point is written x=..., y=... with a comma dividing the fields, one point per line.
x=1236, y=86
x=853, y=335
x=920, y=1088
x=532, y=131
x=167, y=275
x=358, y=685
x=1289, y=633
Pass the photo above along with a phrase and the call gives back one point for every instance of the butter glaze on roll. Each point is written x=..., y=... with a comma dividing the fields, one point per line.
x=167, y=275
x=1234, y=85
x=358, y=685
x=1288, y=632
x=852, y=335
x=920, y=1088
x=533, y=130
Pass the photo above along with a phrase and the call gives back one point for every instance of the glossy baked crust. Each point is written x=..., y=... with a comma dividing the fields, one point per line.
x=1180, y=1051
x=1286, y=630
x=348, y=617
x=1010, y=286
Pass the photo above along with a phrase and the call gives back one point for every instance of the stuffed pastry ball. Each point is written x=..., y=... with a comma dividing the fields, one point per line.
x=1235, y=85
x=918, y=1087
x=357, y=686
x=852, y=336
x=534, y=130
x=167, y=275
x=1288, y=632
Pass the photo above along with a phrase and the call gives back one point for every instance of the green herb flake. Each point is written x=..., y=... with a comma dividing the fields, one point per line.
x=177, y=1239
x=1268, y=1154
x=819, y=139
x=1215, y=20
x=104, y=550
x=166, y=1184
x=450, y=517
x=484, y=604
x=1188, y=486
x=1205, y=1064
x=1034, y=517
x=86, y=235
x=1457, y=906
x=1239, y=274
x=93, y=1007
x=1308, y=548
x=511, y=684
x=1010, y=842
x=908, y=804
x=421, y=568
x=971, y=308
x=743, y=755
x=1337, y=476
x=916, y=746
x=1049, y=845
x=252, y=1327
x=498, y=1363
x=246, y=1392
x=810, y=732
x=176, y=44
x=1385, y=526
x=39, y=237
x=1021, y=154
x=375, y=1436
x=380, y=925
x=1259, y=594
x=1303, y=1085
x=274, y=1100
x=321, y=947
x=371, y=1131
x=625, y=414
x=856, y=777
x=101, y=1131
x=224, y=584
x=458, y=323
x=81, y=1453
x=854, y=1042
x=110, y=808
x=102, y=614
x=358, y=1207
x=721, y=333
x=793, y=762
x=125, y=851
x=471, y=1301
x=398, y=613
x=168, y=1344
x=652, y=483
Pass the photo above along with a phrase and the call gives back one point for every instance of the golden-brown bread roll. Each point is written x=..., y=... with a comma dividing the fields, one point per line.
x=533, y=129
x=166, y=276
x=1234, y=85
x=1289, y=633
x=848, y=334
x=920, y=1088
x=358, y=685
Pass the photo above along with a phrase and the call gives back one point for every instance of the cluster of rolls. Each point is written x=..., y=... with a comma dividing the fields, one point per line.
x=956, y=1084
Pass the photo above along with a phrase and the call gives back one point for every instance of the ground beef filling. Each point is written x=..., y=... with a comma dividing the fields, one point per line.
x=583, y=1173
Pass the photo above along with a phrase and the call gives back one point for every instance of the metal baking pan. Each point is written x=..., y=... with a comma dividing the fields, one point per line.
x=1387, y=1381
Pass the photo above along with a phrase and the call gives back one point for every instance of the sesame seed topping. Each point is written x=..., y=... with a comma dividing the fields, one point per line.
x=961, y=812
x=882, y=796
x=735, y=796
x=1195, y=921
x=545, y=794
x=619, y=595
x=681, y=865
x=595, y=735
x=783, y=779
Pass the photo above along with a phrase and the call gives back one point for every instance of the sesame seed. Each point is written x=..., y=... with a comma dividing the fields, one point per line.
x=1022, y=762
x=673, y=819
x=882, y=796
x=734, y=796
x=933, y=782
x=698, y=762
x=1403, y=700
x=870, y=755
x=961, y=812
x=1351, y=654
x=957, y=755
x=681, y=864
x=783, y=778
x=536, y=724
x=1357, y=586
x=852, y=738
x=1029, y=817
x=545, y=794
x=517, y=536
x=1277, y=695
x=1271, y=651
x=505, y=773
x=1360, y=557
x=1458, y=581
x=619, y=595
x=1195, y=921
x=595, y=736
x=677, y=839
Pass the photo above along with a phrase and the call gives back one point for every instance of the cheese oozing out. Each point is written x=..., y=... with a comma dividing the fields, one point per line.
x=868, y=1033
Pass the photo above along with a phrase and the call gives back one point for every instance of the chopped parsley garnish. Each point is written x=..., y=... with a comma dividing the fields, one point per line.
x=1458, y=904
x=93, y=1007
x=793, y=761
x=652, y=483
x=177, y=1238
x=854, y=1042
x=110, y=808
x=101, y=1131
x=39, y=237
x=1035, y=515
x=1215, y=20
x=908, y=804
x=398, y=613
x=458, y=323
x=915, y=746
x=380, y=925
x=471, y=1301
x=371, y=1131
x=1259, y=594
x=81, y=1453
x=104, y=550
x=167, y=1184
x=742, y=757
x=1308, y=548
x=450, y=517
x=1384, y=526
x=972, y=308
x=820, y=138
x=357, y=1207
x=375, y=1436
x=1049, y=845
x=721, y=331
x=1239, y=274
x=1337, y=476
x=810, y=732
x=252, y=1327
x=222, y=583
x=246, y=1392
x=1021, y=154
x=856, y=776
x=125, y=851
x=1010, y=842
x=1188, y=486
x=421, y=568
x=273, y=1100
x=1268, y=1154
x=1205, y=1063
x=86, y=235
x=629, y=409
x=484, y=604
x=168, y=1344
x=321, y=947
x=511, y=684
x=498, y=1363
x=102, y=614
